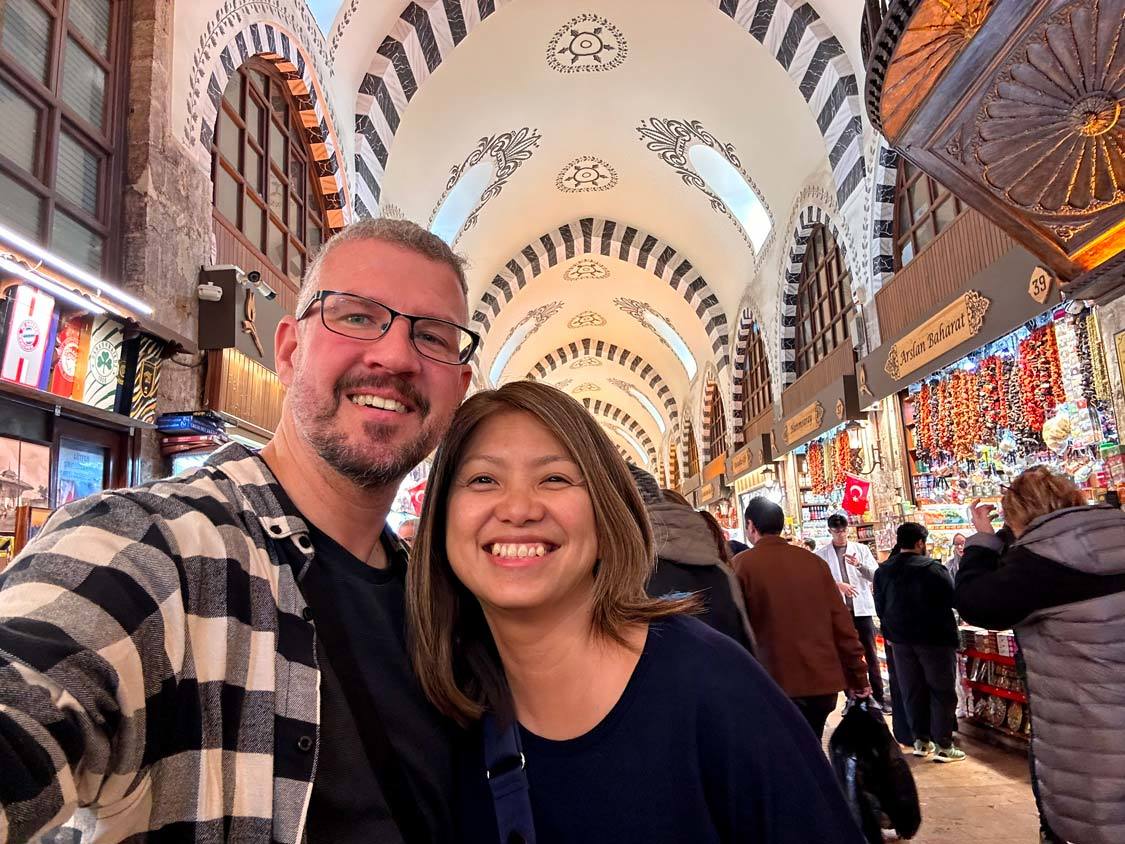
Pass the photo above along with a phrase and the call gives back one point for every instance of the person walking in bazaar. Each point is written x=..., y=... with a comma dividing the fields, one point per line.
x=1061, y=586
x=914, y=599
x=853, y=568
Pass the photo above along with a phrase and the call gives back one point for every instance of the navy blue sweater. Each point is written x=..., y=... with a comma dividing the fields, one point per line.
x=702, y=747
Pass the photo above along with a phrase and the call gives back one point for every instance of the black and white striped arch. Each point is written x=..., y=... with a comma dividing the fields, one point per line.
x=590, y=236
x=427, y=31
x=598, y=407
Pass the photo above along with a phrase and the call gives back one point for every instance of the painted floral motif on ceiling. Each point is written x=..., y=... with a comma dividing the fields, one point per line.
x=671, y=139
x=540, y=315
x=508, y=151
x=586, y=269
x=637, y=311
x=586, y=174
x=564, y=383
x=582, y=363
x=587, y=387
x=586, y=43
x=587, y=319
x=1050, y=135
x=391, y=211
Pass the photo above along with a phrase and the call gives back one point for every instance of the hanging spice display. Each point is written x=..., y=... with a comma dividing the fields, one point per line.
x=1041, y=386
x=842, y=458
x=964, y=412
x=1096, y=360
x=817, y=479
x=924, y=423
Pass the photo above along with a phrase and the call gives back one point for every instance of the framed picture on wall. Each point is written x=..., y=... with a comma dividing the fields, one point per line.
x=29, y=521
x=25, y=478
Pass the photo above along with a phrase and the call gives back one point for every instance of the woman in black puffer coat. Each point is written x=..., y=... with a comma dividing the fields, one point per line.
x=689, y=559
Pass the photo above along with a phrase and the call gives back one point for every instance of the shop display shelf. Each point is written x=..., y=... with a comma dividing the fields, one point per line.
x=980, y=722
x=1000, y=658
x=996, y=691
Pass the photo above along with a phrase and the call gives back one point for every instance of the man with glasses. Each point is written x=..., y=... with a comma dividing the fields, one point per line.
x=853, y=568
x=221, y=656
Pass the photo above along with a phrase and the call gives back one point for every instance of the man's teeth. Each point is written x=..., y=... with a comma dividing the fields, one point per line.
x=509, y=549
x=379, y=402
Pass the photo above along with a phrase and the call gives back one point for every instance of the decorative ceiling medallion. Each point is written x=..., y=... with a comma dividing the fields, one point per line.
x=1049, y=135
x=587, y=387
x=582, y=363
x=587, y=319
x=586, y=268
x=564, y=383
x=671, y=139
x=586, y=174
x=508, y=152
x=586, y=43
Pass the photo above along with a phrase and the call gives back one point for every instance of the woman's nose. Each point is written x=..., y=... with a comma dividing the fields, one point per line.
x=519, y=505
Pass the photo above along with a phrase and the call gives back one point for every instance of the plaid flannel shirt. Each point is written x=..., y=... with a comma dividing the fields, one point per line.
x=158, y=679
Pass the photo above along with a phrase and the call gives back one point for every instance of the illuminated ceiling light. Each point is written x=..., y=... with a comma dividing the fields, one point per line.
x=48, y=286
x=730, y=186
x=100, y=287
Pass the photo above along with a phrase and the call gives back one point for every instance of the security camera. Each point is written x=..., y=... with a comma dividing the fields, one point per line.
x=263, y=289
x=253, y=277
x=209, y=292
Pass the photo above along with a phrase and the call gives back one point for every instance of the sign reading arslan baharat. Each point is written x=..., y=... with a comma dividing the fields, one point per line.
x=950, y=327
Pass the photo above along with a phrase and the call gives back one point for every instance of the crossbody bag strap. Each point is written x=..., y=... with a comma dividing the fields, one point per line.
x=506, y=769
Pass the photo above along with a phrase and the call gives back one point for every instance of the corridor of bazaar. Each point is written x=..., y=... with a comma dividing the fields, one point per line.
x=860, y=258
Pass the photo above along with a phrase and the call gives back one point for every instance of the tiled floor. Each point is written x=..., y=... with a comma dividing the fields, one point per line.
x=984, y=800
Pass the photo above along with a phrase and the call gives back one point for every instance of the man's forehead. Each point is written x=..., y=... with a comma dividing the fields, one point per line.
x=396, y=275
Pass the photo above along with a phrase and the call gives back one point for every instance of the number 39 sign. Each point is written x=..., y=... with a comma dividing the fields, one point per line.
x=1039, y=288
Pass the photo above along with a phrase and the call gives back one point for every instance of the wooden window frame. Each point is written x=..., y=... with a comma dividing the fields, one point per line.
x=674, y=479
x=937, y=195
x=757, y=386
x=717, y=427
x=824, y=283
x=308, y=200
x=55, y=115
x=693, y=452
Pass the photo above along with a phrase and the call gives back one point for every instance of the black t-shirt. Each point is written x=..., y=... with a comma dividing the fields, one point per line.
x=366, y=607
x=702, y=747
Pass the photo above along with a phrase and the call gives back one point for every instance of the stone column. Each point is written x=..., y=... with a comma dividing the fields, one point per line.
x=166, y=211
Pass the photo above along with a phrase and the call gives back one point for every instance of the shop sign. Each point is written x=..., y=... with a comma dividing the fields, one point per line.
x=1119, y=342
x=804, y=423
x=740, y=463
x=707, y=494
x=959, y=321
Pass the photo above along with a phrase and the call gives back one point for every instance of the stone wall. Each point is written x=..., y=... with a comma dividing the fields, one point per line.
x=166, y=211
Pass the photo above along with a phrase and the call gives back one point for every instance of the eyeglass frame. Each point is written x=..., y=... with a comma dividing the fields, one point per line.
x=321, y=295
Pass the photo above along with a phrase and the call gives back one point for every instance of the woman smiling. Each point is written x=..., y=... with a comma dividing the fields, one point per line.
x=528, y=609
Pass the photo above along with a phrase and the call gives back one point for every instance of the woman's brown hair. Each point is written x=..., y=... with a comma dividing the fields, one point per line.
x=450, y=643
x=1036, y=492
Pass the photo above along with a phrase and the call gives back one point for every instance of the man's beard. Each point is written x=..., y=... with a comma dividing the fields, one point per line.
x=354, y=460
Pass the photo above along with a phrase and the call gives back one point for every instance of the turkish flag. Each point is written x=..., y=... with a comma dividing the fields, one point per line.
x=417, y=496
x=855, y=495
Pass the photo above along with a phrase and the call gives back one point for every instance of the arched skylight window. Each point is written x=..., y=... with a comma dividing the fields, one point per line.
x=669, y=335
x=644, y=400
x=461, y=201
x=629, y=438
x=325, y=12
x=725, y=180
x=513, y=342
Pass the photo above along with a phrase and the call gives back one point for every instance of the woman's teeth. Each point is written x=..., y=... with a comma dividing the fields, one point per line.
x=379, y=402
x=509, y=549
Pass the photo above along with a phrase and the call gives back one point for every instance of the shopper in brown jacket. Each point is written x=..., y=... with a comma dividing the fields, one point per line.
x=806, y=639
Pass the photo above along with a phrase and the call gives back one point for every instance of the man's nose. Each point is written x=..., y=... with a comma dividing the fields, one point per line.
x=394, y=350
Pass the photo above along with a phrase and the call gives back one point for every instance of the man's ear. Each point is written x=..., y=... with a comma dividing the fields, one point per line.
x=285, y=342
x=466, y=379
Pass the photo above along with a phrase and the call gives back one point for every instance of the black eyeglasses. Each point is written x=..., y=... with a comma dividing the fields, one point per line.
x=365, y=319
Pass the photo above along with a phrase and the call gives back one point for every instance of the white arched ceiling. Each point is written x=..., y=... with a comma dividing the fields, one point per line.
x=772, y=86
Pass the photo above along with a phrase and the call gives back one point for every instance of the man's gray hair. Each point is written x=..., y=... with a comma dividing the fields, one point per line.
x=404, y=233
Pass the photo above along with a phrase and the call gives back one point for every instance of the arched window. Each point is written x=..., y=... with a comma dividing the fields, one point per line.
x=61, y=123
x=693, y=452
x=716, y=425
x=673, y=465
x=923, y=207
x=265, y=184
x=824, y=299
x=757, y=389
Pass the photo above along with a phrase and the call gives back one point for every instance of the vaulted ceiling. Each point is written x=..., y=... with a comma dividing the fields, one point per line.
x=600, y=260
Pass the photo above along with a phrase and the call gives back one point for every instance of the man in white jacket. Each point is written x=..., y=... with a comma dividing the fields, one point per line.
x=853, y=568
